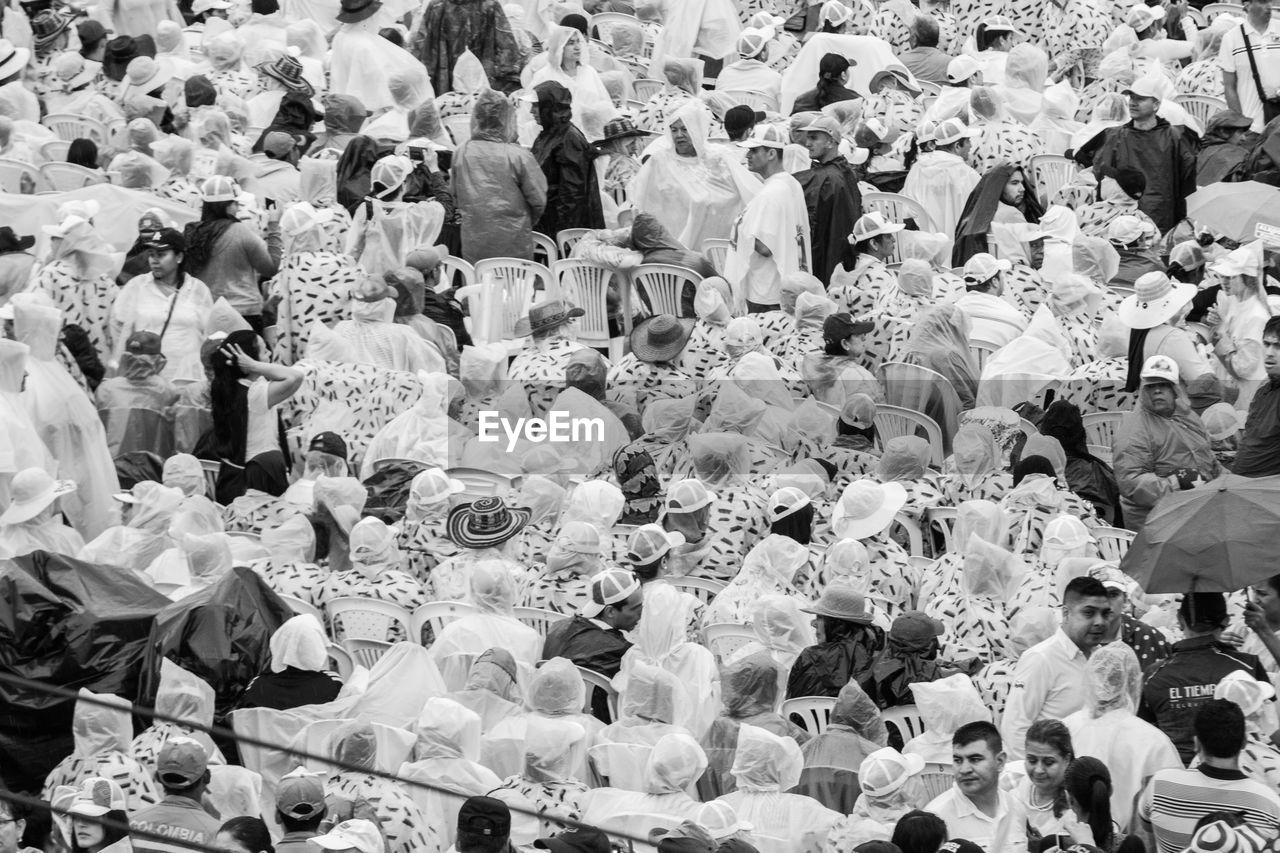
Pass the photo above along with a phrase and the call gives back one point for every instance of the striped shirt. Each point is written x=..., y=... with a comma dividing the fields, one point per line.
x=1175, y=799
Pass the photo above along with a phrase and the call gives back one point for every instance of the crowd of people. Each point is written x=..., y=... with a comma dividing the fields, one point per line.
x=827, y=559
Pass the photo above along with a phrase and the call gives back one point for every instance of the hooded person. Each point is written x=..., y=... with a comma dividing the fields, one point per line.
x=974, y=614
x=891, y=788
x=102, y=728
x=143, y=536
x=545, y=785
x=499, y=186
x=186, y=697
x=424, y=432
x=492, y=690
x=1108, y=728
x=422, y=535
x=375, y=573
x=695, y=189
x=1086, y=475
x=939, y=342
x=975, y=469
x=909, y=657
x=350, y=74
x=386, y=227
x=766, y=766
x=1258, y=759
x=771, y=567
x=648, y=704
x=782, y=630
x=1000, y=199
x=568, y=63
x=290, y=569
x=671, y=767
x=846, y=647
x=478, y=26
x=446, y=759
x=661, y=639
x=563, y=153
x=832, y=759
x=946, y=704
x=404, y=827
x=493, y=594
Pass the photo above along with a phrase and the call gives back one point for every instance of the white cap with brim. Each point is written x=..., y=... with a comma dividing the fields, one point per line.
x=1143, y=87
x=1159, y=368
x=357, y=834
x=609, y=587
x=30, y=492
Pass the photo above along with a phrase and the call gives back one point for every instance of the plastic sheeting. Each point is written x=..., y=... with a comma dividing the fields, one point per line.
x=67, y=623
x=117, y=224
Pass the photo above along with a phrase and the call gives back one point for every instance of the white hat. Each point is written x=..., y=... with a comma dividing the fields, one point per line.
x=835, y=13
x=433, y=486
x=302, y=217
x=926, y=130
x=765, y=20
x=1246, y=691
x=1241, y=261
x=752, y=41
x=720, y=820
x=1126, y=229
x=1156, y=298
x=766, y=136
x=145, y=74
x=649, y=542
x=997, y=24
x=355, y=834
x=866, y=508
x=786, y=501
x=962, y=68
x=1221, y=421
x=873, y=225
x=12, y=59
x=64, y=227
x=1141, y=16
x=983, y=267
x=611, y=586
x=219, y=188
x=952, y=131
x=886, y=770
x=688, y=496
x=96, y=797
x=1159, y=368
x=31, y=491
x=205, y=5
x=390, y=171
x=1145, y=86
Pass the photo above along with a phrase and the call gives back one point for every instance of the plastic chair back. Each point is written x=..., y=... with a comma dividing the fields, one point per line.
x=915, y=536
x=646, y=88
x=725, y=638
x=717, y=251
x=567, y=238
x=662, y=285
x=1113, y=542
x=601, y=24
x=904, y=719
x=703, y=589
x=936, y=783
x=596, y=681
x=586, y=285
x=366, y=652
x=65, y=177
x=520, y=280
x=72, y=127
x=896, y=207
x=539, y=619
x=302, y=608
x=458, y=127
x=1100, y=427
x=55, y=150
x=1050, y=173
x=12, y=173
x=434, y=615
x=943, y=520
x=359, y=618
x=481, y=483
x=893, y=421
x=343, y=663
x=453, y=269
x=814, y=712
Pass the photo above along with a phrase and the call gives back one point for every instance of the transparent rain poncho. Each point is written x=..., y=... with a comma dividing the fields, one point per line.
x=856, y=711
x=188, y=698
x=670, y=420
x=556, y=689
x=596, y=502
x=102, y=735
x=769, y=567
x=293, y=541
x=492, y=589
x=765, y=761
x=781, y=628
x=300, y=643
x=975, y=453
x=1065, y=536
x=734, y=411
x=1113, y=680
x=136, y=544
x=945, y=705
x=675, y=763
x=719, y=458
x=649, y=702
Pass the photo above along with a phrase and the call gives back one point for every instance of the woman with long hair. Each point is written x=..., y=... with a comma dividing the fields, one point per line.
x=1088, y=476
x=833, y=73
x=244, y=393
x=1088, y=787
x=99, y=822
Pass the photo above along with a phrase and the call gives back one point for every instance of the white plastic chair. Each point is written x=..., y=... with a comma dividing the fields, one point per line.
x=662, y=285
x=717, y=251
x=65, y=177
x=451, y=267
x=813, y=711
x=893, y=421
x=1050, y=173
x=703, y=589
x=55, y=150
x=943, y=520
x=1200, y=107
x=436, y=614
x=905, y=719
x=544, y=244
x=936, y=783
x=11, y=173
x=600, y=24
x=359, y=618
x=1103, y=453
x=539, y=619
x=982, y=350
x=458, y=127
x=598, y=681
x=896, y=207
x=753, y=99
x=646, y=88
x=481, y=483
x=725, y=638
x=586, y=285
x=366, y=652
x=211, y=468
x=302, y=608
x=72, y=127
x=520, y=280
x=1113, y=542
x=915, y=536
x=1100, y=427
x=567, y=238
x=343, y=663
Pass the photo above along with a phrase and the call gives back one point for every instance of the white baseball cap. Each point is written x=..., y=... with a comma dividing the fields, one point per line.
x=609, y=587
x=1143, y=87
x=786, y=501
x=983, y=267
x=1141, y=16
x=873, y=225
x=355, y=834
x=752, y=41
x=649, y=542
x=952, y=131
x=962, y=68
x=688, y=496
x=886, y=770
x=766, y=136
x=1159, y=368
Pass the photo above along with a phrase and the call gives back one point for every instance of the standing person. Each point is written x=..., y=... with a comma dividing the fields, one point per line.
x=182, y=769
x=1148, y=143
x=448, y=30
x=940, y=179
x=565, y=156
x=975, y=808
x=1175, y=800
x=751, y=73
x=771, y=236
x=1176, y=689
x=1249, y=57
x=831, y=194
x=227, y=254
x=1259, y=453
x=1049, y=679
x=498, y=186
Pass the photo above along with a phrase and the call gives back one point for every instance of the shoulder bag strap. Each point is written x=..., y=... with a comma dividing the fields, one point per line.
x=1253, y=63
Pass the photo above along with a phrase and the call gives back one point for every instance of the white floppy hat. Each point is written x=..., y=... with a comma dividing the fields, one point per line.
x=1156, y=298
x=12, y=59
x=31, y=491
x=867, y=508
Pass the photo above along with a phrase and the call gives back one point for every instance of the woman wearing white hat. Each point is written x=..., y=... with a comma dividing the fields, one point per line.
x=31, y=521
x=1152, y=314
x=1241, y=311
x=422, y=536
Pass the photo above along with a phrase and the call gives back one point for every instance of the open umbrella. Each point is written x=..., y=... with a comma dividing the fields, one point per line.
x=1220, y=537
x=1235, y=210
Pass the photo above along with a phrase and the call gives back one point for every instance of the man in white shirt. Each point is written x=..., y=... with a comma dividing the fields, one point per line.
x=940, y=179
x=1049, y=679
x=1238, y=81
x=771, y=237
x=995, y=320
x=751, y=73
x=975, y=808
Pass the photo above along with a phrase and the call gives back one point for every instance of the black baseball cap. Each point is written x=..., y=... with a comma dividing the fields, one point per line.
x=168, y=239
x=484, y=816
x=330, y=443
x=586, y=840
x=959, y=845
x=842, y=324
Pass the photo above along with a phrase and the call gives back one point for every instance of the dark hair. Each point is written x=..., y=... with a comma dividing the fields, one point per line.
x=1274, y=583
x=264, y=7
x=797, y=526
x=230, y=400
x=1032, y=465
x=83, y=152
x=392, y=35
x=925, y=29
x=979, y=730
x=301, y=824
x=986, y=37
x=13, y=808
x=829, y=71
x=1220, y=728
x=1089, y=783
x=1083, y=587
x=251, y=832
x=1063, y=421
x=202, y=236
x=1272, y=327
x=919, y=831
x=1055, y=735
x=115, y=825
